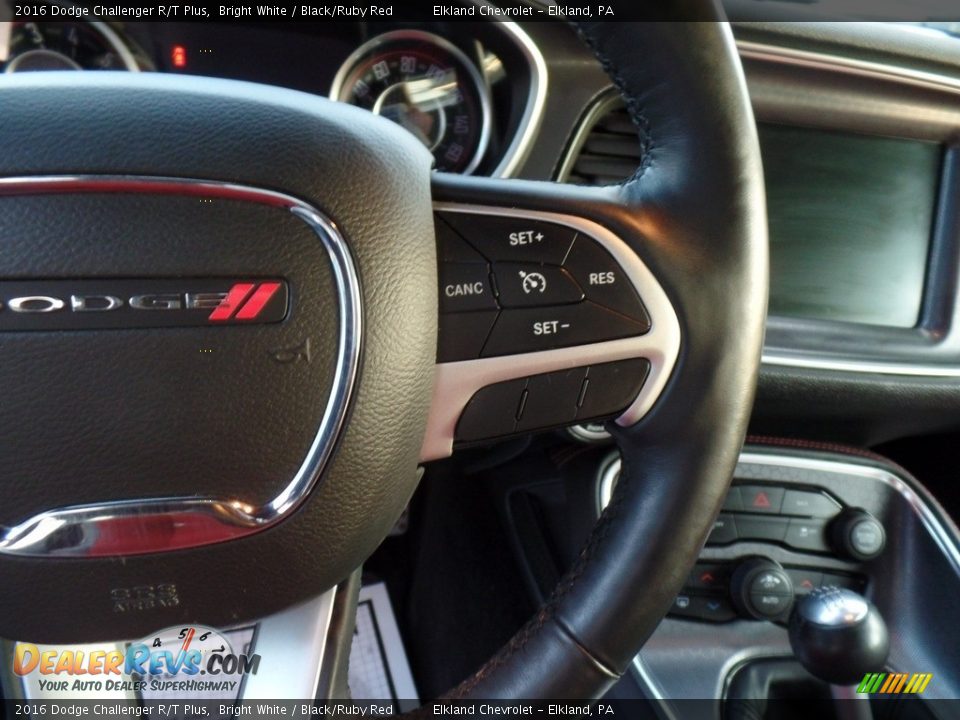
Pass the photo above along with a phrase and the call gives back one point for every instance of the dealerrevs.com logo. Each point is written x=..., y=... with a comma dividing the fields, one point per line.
x=178, y=659
x=129, y=304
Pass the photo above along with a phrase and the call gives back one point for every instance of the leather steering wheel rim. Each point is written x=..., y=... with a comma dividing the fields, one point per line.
x=697, y=201
x=93, y=202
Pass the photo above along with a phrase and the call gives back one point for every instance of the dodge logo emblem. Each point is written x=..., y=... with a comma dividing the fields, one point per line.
x=103, y=304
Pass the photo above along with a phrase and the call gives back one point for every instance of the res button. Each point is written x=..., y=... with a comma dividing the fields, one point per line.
x=602, y=278
x=508, y=239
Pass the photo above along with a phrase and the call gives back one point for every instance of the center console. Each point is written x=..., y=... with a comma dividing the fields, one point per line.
x=796, y=520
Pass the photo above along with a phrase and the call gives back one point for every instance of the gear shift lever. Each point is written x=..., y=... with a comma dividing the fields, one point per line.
x=838, y=635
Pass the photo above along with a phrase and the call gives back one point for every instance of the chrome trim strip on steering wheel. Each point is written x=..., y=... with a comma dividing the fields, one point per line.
x=156, y=525
x=456, y=382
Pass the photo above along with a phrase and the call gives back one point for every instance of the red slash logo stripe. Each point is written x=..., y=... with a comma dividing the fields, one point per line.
x=234, y=299
x=257, y=301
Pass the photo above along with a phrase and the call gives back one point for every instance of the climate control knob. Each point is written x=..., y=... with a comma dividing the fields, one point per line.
x=858, y=535
x=761, y=589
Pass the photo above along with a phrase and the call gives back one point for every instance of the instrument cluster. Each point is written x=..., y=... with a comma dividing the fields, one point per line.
x=446, y=86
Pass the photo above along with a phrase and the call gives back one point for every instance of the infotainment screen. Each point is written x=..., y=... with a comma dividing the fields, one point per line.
x=851, y=219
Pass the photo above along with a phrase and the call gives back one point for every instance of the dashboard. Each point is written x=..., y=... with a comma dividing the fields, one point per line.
x=858, y=133
x=463, y=90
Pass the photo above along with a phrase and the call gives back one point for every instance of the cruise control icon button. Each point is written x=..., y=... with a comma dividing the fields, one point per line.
x=532, y=329
x=530, y=285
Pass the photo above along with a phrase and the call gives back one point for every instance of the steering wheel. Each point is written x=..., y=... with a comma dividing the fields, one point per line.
x=219, y=332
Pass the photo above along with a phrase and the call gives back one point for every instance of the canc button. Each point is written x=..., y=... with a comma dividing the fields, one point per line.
x=465, y=286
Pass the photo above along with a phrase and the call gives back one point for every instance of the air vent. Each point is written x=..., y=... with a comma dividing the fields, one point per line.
x=609, y=151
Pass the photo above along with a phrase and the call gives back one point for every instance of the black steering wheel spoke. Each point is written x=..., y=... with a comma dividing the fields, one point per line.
x=547, y=316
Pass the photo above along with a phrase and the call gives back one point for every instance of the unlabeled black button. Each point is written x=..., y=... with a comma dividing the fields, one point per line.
x=843, y=581
x=602, y=278
x=464, y=287
x=807, y=535
x=532, y=329
x=611, y=387
x=452, y=248
x=709, y=608
x=804, y=580
x=529, y=285
x=724, y=530
x=761, y=498
x=510, y=239
x=708, y=576
x=808, y=504
x=751, y=527
x=462, y=335
x=492, y=411
x=551, y=399
x=732, y=501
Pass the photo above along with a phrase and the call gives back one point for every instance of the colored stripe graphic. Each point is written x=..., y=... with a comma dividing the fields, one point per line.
x=868, y=682
x=894, y=683
x=186, y=641
x=235, y=297
x=257, y=301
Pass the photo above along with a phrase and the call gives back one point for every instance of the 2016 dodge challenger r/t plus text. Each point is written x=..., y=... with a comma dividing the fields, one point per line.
x=487, y=357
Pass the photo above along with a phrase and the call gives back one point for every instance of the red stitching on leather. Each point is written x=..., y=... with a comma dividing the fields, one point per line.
x=829, y=447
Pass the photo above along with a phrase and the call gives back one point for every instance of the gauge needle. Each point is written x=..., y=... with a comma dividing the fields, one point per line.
x=6, y=30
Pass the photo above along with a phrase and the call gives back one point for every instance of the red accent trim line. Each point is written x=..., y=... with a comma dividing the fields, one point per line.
x=257, y=301
x=234, y=299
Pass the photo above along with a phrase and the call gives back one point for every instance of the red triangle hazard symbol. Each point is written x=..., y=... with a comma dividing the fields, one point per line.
x=761, y=500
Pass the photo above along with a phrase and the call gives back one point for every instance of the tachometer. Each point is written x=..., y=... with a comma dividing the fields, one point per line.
x=428, y=86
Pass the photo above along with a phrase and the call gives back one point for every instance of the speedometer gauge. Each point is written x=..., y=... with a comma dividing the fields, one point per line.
x=426, y=85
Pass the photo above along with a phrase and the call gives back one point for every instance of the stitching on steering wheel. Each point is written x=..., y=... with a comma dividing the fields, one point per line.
x=610, y=513
x=636, y=113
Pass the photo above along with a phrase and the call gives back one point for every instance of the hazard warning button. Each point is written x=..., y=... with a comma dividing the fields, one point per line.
x=761, y=498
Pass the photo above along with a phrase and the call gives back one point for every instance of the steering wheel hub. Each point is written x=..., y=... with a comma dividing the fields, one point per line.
x=187, y=351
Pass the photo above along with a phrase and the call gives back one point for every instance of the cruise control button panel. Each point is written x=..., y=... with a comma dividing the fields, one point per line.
x=552, y=287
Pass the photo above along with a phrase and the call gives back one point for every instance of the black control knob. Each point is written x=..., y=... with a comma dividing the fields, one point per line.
x=838, y=635
x=857, y=534
x=761, y=589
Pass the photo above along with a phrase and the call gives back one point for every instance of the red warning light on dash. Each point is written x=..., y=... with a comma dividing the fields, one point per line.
x=178, y=56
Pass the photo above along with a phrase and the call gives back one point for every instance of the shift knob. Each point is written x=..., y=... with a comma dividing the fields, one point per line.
x=838, y=635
